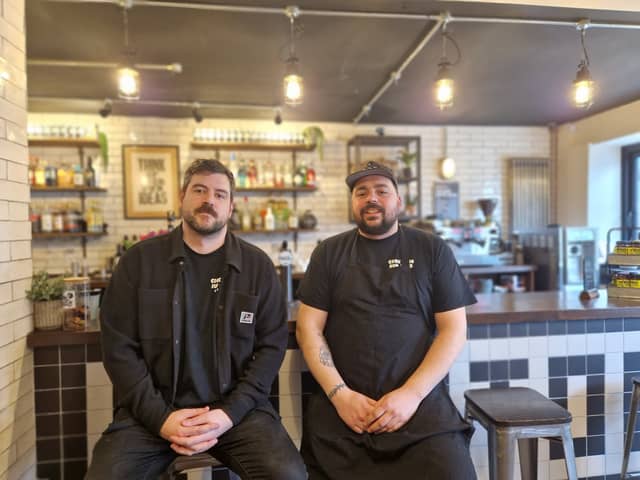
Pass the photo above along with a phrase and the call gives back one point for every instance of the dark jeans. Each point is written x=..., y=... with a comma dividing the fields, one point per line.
x=257, y=448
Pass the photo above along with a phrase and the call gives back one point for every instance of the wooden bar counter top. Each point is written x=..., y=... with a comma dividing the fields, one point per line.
x=544, y=306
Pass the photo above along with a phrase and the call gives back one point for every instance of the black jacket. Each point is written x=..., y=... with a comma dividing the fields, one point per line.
x=142, y=328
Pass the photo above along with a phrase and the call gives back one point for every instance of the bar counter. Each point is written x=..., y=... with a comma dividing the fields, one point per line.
x=545, y=306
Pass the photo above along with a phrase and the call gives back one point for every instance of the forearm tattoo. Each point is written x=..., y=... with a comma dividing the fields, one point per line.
x=335, y=390
x=325, y=354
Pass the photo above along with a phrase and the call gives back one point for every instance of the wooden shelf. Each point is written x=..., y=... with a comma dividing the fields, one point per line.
x=270, y=147
x=404, y=180
x=67, y=235
x=382, y=140
x=63, y=142
x=67, y=189
x=275, y=189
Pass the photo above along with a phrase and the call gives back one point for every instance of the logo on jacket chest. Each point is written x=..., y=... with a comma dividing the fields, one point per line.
x=396, y=262
x=215, y=283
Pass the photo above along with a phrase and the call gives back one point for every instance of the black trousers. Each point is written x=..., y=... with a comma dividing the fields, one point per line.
x=257, y=448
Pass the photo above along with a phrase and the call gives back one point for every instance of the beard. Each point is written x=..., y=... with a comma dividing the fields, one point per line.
x=380, y=228
x=202, y=228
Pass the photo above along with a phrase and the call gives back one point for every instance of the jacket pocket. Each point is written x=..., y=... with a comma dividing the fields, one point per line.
x=155, y=330
x=244, y=313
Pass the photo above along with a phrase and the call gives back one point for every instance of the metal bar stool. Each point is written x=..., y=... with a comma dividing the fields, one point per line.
x=183, y=463
x=524, y=415
x=633, y=411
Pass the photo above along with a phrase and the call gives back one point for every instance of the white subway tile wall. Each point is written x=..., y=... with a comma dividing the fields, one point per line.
x=480, y=153
x=17, y=420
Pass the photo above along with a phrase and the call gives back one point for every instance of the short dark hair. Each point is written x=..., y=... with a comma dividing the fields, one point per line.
x=210, y=166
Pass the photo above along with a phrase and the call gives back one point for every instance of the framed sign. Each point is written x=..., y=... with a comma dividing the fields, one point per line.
x=446, y=200
x=150, y=180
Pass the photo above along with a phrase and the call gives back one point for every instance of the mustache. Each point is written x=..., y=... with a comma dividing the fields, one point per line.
x=206, y=208
x=371, y=206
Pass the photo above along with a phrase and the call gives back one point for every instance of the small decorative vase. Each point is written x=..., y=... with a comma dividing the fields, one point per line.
x=308, y=220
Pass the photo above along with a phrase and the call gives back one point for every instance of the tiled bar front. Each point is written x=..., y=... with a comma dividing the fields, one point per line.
x=585, y=364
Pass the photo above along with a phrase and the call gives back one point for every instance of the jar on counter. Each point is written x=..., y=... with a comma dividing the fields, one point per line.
x=634, y=279
x=620, y=279
x=622, y=247
x=75, y=301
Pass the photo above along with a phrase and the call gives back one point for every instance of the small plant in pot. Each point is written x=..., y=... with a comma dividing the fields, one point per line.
x=407, y=159
x=46, y=295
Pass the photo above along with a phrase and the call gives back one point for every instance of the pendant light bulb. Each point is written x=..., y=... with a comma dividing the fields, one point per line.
x=583, y=87
x=444, y=87
x=293, y=85
x=128, y=83
x=447, y=168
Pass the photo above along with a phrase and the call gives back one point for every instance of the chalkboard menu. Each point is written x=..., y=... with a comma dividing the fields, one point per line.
x=447, y=200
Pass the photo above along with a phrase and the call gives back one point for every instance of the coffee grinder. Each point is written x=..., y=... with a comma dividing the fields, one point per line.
x=490, y=230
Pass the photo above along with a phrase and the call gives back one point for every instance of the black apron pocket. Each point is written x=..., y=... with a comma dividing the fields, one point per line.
x=244, y=313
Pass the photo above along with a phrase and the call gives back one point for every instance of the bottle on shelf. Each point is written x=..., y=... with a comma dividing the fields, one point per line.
x=32, y=169
x=268, y=177
x=246, y=215
x=39, y=174
x=78, y=176
x=252, y=174
x=46, y=220
x=258, y=221
x=51, y=176
x=287, y=179
x=279, y=177
x=233, y=167
x=242, y=174
x=269, y=220
x=311, y=176
x=58, y=220
x=300, y=177
x=89, y=174
x=293, y=220
x=34, y=218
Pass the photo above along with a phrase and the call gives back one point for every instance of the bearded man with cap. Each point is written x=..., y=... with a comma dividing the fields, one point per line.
x=381, y=322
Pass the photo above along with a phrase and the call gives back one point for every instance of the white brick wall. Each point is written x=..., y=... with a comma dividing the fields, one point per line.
x=480, y=153
x=17, y=421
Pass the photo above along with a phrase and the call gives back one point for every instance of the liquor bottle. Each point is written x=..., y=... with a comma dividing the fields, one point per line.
x=300, y=177
x=268, y=175
x=269, y=220
x=288, y=177
x=46, y=220
x=279, y=178
x=39, y=176
x=252, y=174
x=311, y=176
x=242, y=174
x=89, y=174
x=78, y=177
x=246, y=215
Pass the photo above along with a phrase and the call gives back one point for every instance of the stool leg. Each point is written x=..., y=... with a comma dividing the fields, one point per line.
x=631, y=422
x=528, y=450
x=569, y=454
x=501, y=454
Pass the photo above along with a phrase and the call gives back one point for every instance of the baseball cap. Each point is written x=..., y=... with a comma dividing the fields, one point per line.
x=371, y=168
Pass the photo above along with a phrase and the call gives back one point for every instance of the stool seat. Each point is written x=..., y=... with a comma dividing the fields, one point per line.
x=517, y=406
x=519, y=415
x=183, y=463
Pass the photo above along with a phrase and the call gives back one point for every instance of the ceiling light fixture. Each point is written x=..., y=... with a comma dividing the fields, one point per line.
x=583, y=85
x=444, y=84
x=106, y=109
x=128, y=76
x=195, y=112
x=293, y=87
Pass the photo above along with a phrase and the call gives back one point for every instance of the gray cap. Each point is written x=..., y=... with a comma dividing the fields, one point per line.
x=372, y=168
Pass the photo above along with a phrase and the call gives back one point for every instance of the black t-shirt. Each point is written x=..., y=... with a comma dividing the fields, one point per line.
x=442, y=284
x=197, y=381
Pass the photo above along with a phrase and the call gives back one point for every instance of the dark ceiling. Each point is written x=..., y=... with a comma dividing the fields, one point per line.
x=508, y=74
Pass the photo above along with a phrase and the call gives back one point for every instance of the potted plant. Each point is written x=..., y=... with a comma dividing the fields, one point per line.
x=46, y=295
x=408, y=159
x=314, y=136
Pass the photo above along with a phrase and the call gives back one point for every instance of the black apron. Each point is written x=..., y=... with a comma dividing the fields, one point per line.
x=378, y=333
